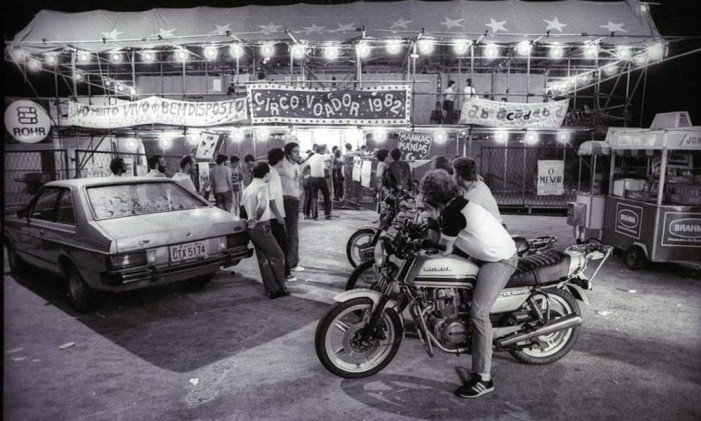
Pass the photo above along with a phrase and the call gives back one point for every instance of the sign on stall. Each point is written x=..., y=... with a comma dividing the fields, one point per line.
x=27, y=121
x=682, y=229
x=366, y=173
x=155, y=110
x=484, y=112
x=357, y=167
x=376, y=105
x=206, y=146
x=414, y=145
x=551, y=176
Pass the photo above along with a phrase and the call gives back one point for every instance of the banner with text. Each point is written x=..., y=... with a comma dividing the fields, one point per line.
x=377, y=105
x=155, y=110
x=551, y=178
x=414, y=145
x=484, y=112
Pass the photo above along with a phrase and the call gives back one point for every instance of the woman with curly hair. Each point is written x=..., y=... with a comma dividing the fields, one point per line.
x=472, y=230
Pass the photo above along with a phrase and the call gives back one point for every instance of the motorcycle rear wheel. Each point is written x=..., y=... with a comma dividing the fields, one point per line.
x=553, y=346
x=340, y=347
x=359, y=239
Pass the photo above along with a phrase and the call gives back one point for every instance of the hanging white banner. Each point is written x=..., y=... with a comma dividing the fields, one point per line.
x=551, y=178
x=484, y=112
x=155, y=110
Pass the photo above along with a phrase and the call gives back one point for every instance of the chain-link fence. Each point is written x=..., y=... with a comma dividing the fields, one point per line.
x=512, y=175
x=26, y=171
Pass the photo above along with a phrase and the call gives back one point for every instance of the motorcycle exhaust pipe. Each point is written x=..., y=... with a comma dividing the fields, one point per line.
x=559, y=324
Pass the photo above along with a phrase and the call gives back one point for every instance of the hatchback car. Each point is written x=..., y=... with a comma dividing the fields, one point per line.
x=122, y=233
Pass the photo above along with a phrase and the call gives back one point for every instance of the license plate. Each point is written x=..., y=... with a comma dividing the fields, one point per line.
x=188, y=251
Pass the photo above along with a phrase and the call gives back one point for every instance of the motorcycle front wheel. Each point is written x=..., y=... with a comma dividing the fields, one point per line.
x=344, y=349
x=547, y=349
x=357, y=242
x=364, y=276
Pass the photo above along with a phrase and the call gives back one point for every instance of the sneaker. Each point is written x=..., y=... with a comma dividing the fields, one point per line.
x=279, y=293
x=297, y=268
x=474, y=388
x=290, y=278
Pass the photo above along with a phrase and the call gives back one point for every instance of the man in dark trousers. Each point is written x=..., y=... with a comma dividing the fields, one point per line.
x=398, y=176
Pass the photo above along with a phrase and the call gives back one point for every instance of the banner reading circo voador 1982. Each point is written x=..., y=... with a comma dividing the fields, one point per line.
x=377, y=105
x=483, y=112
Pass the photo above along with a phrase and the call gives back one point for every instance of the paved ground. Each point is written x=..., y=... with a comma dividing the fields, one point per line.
x=226, y=352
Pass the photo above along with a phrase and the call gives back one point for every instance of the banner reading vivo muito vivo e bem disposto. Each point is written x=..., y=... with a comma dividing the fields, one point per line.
x=377, y=105
x=155, y=110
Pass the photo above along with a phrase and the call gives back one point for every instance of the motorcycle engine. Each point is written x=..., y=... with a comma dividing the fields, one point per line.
x=448, y=320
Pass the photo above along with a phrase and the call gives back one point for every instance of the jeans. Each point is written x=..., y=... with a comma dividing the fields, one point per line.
x=280, y=234
x=223, y=200
x=491, y=280
x=319, y=183
x=291, y=205
x=449, y=111
x=307, y=197
x=271, y=260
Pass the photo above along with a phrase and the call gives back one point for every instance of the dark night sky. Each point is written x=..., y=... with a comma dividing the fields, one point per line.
x=671, y=86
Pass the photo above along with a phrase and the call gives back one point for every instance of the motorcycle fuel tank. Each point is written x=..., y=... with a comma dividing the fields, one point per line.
x=442, y=272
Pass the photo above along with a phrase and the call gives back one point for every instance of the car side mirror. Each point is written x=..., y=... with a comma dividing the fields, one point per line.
x=23, y=213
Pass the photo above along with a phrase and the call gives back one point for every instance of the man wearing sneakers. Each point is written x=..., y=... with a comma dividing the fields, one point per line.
x=290, y=172
x=472, y=230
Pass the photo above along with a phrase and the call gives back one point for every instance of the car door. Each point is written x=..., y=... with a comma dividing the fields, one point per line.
x=41, y=220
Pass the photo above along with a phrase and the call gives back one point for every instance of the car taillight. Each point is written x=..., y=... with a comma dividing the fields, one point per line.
x=126, y=260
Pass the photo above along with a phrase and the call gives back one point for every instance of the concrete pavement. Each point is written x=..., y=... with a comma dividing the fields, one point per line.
x=227, y=352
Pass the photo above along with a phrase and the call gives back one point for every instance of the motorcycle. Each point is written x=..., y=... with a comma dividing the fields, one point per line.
x=360, y=245
x=536, y=317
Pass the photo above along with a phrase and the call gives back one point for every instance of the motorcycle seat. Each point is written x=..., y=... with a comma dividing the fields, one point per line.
x=540, y=269
x=521, y=244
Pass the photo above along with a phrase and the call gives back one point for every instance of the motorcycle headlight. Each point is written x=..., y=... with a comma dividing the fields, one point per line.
x=379, y=254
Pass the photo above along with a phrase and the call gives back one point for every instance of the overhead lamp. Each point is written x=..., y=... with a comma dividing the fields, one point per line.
x=461, y=46
x=531, y=138
x=591, y=51
x=491, y=50
x=236, y=134
x=440, y=137
x=132, y=144
x=610, y=69
x=148, y=56
x=132, y=90
x=182, y=55
x=656, y=51
x=18, y=55
x=165, y=142
x=236, y=50
x=524, y=48
x=116, y=57
x=623, y=52
x=641, y=59
x=51, y=59
x=501, y=136
x=380, y=134
x=644, y=8
x=557, y=51
x=83, y=57
x=363, y=49
x=120, y=87
x=394, y=46
x=298, y=51
x=33, y=64
x=584, y=78
x=267, y=50
x=263, y=133
x=332, y=51
x=563, y=137
x=211, y=52
x=78, y=75
x=426, y=46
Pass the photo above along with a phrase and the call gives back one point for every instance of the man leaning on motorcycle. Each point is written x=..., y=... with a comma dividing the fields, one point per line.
x=467, y=228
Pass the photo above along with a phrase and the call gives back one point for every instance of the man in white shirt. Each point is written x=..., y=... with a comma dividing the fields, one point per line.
x=469, y=90
x=275, y=156
x=290, y=177
x=182, y=177
x=318, y=182
x=449, y=102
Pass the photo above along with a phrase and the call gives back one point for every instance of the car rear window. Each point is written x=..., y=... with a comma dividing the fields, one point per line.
x=120, y=200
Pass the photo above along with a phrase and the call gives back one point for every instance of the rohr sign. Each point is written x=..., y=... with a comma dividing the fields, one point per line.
x=27, y=121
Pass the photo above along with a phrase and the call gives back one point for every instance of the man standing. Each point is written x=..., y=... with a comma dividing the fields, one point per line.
x=248, y=162
x=469, y=90
x=318, y=182
x=220, y=178
x=182, y=177
x=290, y=176
x=236, y=177
x=277, y=222
x=156, y=166
x=449, y=102
x=398, y=173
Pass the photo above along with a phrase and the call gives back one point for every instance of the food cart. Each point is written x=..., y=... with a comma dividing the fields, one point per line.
x=653, y=210
x=586, y=213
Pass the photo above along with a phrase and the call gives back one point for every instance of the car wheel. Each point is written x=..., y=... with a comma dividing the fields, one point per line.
x=80, y=296
x=17, y=265
x=635, y=258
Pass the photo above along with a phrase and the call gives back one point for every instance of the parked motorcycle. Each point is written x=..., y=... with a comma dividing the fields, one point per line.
x=536, y=317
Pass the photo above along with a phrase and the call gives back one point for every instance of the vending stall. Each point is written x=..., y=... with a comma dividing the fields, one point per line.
x=653, y=210
x=586, y=213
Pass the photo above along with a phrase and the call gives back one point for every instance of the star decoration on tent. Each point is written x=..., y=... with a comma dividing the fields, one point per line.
x=221, y=29
x=401, y=23
x=313, y=28
x=345, y=28
x=270, y=28
x=613, y=27
x=497, y=26
x=111, y=35
x=453, y=22
x=554, y=24
x=165, y=33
